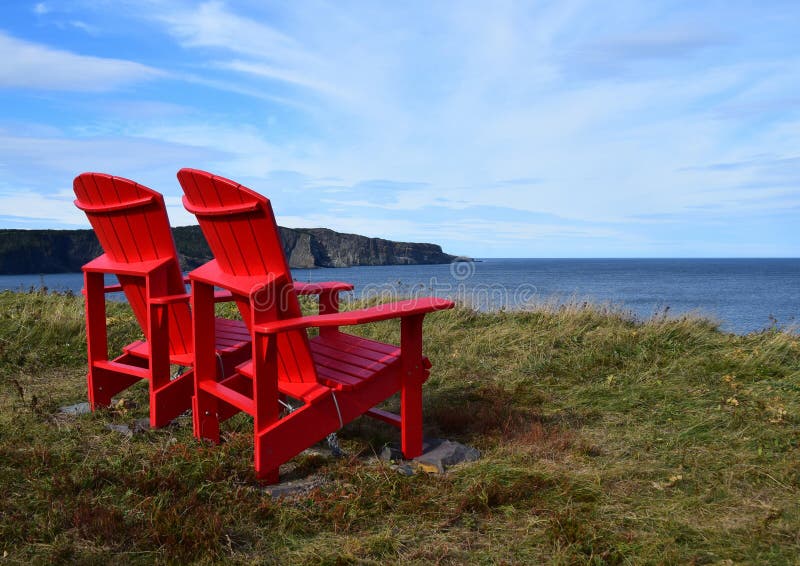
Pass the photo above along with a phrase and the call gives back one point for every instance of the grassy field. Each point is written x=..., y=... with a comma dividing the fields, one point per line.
x=604, y=441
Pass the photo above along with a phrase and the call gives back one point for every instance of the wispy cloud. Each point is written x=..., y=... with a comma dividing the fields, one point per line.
x=30, y=65
x=83, y=26
x=666, y=44
x=768, y=163
x=269, y=72
x=25, y=208
x=115, y=153
x=212, y=24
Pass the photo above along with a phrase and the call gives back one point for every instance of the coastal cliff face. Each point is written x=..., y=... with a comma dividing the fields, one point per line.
x=320, y=247
x=65, y=251
x=46, y=251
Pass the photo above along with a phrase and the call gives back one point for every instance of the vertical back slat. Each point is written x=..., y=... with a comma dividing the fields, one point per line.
x=99, y=194
x=134, y=233
x=247, y=243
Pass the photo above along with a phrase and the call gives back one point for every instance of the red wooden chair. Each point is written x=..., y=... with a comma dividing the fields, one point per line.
x=132, y=226
x=336, y=376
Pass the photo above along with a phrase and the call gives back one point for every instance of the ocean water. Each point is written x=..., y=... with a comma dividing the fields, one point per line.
x=743, y=295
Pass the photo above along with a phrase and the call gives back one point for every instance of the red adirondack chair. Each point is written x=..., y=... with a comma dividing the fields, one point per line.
x=131, y=224
x=337, y=376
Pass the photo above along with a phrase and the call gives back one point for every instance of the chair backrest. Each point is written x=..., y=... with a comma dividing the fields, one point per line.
x=131, y=223
x=241, y=231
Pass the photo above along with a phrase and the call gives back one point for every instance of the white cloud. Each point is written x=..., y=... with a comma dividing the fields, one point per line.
x=211, y=24
x=30, y=209
x=243, y=150
x=277, y=74
x=29, y=65
x=83, y=26
x=115, y=155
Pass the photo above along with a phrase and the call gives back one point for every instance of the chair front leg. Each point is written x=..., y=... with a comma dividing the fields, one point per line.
x=158, y=332
x=411, y=392
x=158, y=341
x=205, y=415
x=97, y=380
x=265, y=401
x=169, y=397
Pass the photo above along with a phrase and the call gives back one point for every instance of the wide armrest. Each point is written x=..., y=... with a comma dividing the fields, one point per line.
x=244, y=285
x=386, y=311
x=219, y=296
x=104, y=264
x=322, y=287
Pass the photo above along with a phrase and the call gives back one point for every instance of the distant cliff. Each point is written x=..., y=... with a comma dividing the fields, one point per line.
x=64, y=251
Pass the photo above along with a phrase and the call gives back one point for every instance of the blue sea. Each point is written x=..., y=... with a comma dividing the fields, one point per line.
x=743, y=295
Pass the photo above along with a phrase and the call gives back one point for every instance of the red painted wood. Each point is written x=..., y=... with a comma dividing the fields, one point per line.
x=96, y=338
x=336, y=376
x=204, y=409
x=227, y=340
x=170, y=399
x=387, y=311
x=231, y=396
x=338, y=380
x=158, y=333
x=340, y=366
x=131, y=224
x=246, y=244
x=385, y=416
x=305, y=391
x=411, y=392
x=365, y=346
x=302, y=428
x=321, y=351
x=127, y=369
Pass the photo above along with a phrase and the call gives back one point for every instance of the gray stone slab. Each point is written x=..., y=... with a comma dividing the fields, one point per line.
x=437, y=455
x=77, y=409
x=141, y=425
x=405, y=470
x=391, y=453
x=120, y=428
x=442, y=454
x=295, y=487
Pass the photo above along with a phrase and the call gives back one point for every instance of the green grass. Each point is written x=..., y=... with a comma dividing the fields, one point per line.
x=604, y=441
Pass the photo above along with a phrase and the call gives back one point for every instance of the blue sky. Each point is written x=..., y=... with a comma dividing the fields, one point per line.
x=497, y=129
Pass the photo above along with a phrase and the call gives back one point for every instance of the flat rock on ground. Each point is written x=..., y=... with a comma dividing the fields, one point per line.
x=139, y=426
x=295, y=487
x=77, y=409
x=437, y=455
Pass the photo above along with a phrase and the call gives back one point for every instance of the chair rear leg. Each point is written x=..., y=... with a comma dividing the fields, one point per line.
x=413, y=374
x=411, y=420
